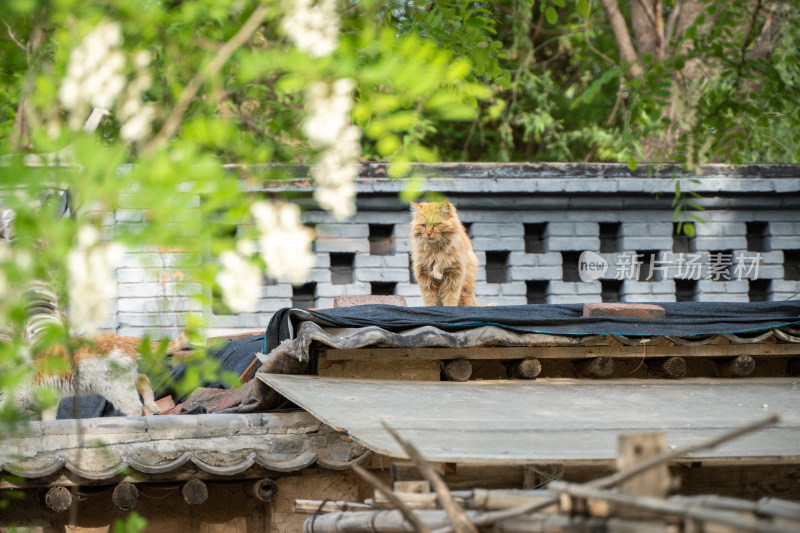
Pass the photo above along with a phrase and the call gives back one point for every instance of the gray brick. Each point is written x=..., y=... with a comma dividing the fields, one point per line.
x=150, y=320
x=319, y=275
x=129, y=215
x=278, y=290
x=399, y=260
x=786, y=185
x=509, y=300
x=771, y=258
x=646, y=243
x=650, y=298
x=271, y=305
x=770, y=272
x=334, y=244
x=556, y=287
x=243, y=320
x=152, y=305
x=722, y=297
x=498, y=243
x=481, y=229
x=156, y=290
x=343, y=231
x=723, y=287
x=779, y=229
x=719, y=243
x=486, y=289
x=586, y=288
x=634, y=229
x=521, y=259
x=785, y=286
x=130, y=275
x=514, y=288
x=325, y=290
x=556, y=244
x=574, y=298
x=585, y=229
x=531, y=273
x=323, y=261
x=382, y=274
x=325, y=303
x=559, y=229
x=784, y=243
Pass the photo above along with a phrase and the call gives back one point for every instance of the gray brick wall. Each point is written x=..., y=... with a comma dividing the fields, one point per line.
x=497, y=202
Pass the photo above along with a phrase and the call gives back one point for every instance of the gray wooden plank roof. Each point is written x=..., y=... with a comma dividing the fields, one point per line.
x=549, y=419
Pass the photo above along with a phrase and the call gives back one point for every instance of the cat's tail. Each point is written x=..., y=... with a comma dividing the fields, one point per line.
x=178, y=344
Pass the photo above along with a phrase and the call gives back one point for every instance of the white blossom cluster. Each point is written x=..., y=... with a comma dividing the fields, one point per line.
x=284, y=242
x=97, y=79
x=328, y=126
x=312, y=26
x=238, y=281
x=92, y=285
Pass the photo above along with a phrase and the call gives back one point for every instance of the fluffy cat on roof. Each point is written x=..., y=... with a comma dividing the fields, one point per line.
x=444, y=262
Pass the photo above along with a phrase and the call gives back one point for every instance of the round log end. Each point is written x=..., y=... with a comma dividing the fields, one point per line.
x=738, y=367
x=669, y=367
x=526, y=369
x=58, y=499
x=125, y=496
x=265, y=489
x=598, y=367
x=195, y=492
x=457, y=370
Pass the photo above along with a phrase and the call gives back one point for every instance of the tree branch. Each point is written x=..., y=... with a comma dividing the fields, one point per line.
x=175, y=118
x=626, y=51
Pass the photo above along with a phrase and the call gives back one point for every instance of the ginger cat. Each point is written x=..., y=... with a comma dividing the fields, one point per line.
x=444, y=262
x=106, y=366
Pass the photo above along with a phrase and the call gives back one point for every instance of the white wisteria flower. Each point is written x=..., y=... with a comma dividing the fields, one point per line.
x=95, y=73
x=312, y=26
x=284, y=243
x=92, y=286
x=239, y=280
x=329, y=127
x=328, y=111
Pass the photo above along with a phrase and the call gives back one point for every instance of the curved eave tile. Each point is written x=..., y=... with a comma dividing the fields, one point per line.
x=224, y=446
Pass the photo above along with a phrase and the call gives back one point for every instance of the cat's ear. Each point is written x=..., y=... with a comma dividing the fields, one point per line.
x=416, y=206
x=446, y=208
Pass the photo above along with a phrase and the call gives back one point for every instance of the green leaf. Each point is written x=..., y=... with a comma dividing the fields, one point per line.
x=688, y=229
x=632, y=163
x=551, y=15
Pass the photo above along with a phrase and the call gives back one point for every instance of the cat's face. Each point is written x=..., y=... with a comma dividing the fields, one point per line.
x=433, y=221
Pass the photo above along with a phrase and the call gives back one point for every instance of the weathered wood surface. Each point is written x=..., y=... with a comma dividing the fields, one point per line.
x=667, y=367
x=738, y=367
x=58, y=499
x=599, y=367
x=125, y=496
x=195, y=492
x=565, y=352
x=514, y=422
x=526, y=369
x=457, y=370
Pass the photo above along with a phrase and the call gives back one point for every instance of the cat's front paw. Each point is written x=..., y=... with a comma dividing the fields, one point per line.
x=153, y=408
x=437, y=274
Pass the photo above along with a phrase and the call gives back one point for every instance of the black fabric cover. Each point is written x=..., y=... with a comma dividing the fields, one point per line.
x=683, y=319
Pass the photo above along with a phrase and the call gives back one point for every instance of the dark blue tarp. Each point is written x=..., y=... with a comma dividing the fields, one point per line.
x=683, y=319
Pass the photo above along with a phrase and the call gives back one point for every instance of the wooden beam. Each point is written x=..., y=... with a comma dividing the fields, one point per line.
x=564, y=352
